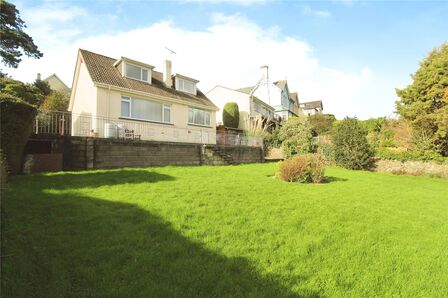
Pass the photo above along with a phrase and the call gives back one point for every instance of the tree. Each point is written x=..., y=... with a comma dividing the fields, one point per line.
x=43, y=86
x=56, y=101
x=27, y=93
x=425, y=101
x=351, y=149
x=322, y=123
x=231, y=115
x=297, y=137
x=14, y=40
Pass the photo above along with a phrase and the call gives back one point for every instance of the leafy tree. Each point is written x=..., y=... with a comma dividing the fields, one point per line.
x=231, y=115
x=322, y=123
x=351, y=149
x=43, y=86
x=28, y=93
x=56, y=101
x=297, y=137
x=14, y=41
x=425, y=102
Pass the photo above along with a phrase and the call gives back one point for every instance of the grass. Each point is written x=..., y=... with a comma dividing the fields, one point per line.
x=223, y=231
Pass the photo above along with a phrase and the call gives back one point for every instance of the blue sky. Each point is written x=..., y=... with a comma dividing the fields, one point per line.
x=350, y=54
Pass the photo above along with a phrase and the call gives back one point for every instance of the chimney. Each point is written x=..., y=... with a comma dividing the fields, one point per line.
x=167, y=73
x=265, y=73
x=38, y=76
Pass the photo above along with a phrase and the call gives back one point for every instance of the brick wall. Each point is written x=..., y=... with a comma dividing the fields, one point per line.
x=81, y=153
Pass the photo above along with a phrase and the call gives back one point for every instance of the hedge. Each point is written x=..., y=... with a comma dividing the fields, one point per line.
x=17, y=119
x=403, y=156
x=231, y=115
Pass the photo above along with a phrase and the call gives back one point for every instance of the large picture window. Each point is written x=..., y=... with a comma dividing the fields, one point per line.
x=198, y=117
x=141, y=109
x=136, y=72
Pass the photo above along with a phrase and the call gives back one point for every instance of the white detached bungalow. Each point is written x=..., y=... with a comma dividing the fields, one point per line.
x=112, y=96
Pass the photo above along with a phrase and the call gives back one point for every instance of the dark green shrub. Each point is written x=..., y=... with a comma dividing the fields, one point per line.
x=297, y=137
x=16, y=124
x=351, y=149
x=307, y=168
x=231, y=115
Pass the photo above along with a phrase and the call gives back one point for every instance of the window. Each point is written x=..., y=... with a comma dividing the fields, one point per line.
x=141, y=109
x=136, y=72
x=199, y=117
x=186, y=86
x=125, y=106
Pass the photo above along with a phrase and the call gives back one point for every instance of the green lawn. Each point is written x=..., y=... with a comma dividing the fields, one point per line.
x=223, y=231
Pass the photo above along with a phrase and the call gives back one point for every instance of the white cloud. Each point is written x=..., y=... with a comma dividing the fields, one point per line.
x=306, y=10
x=229, y=52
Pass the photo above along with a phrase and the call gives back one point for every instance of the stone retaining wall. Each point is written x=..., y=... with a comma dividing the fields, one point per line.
x=80, y=153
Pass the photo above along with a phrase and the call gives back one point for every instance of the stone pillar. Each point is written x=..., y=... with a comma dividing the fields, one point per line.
x=90, y=154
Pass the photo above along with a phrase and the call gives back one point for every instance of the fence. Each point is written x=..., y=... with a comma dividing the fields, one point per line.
x=64, y=123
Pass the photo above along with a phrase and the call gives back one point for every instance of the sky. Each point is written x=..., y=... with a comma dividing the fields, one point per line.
x=350, y=54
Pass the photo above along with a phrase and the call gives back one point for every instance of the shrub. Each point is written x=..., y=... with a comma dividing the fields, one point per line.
x=327, y=151
x=297, y=137
x=414, y=155
x=16, y=124
x=322, y=123
x=56, y=101
x=27, y=93
x=231, y=115
x=413, y=168
x=302, y=168
x=351, y=148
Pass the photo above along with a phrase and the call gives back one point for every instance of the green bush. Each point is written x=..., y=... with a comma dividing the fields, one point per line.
x=327, y=151
x=297, y=137
x=322, y=123
x=384, y=153
x=307, y=168
x=231, y=115
x=25, y=92
x=16, y=124
x=352, y=149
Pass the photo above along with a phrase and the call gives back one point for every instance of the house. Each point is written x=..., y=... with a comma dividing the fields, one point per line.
x=56, y=83
x=250, y=107
x=128, y=98
x=275, y=94
x=312, y=107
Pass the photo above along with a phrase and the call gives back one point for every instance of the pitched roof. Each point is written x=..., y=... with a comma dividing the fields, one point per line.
x=281, y=84
x=245, y=89
x=295, y=97
x=312, y=105
x=102, y=70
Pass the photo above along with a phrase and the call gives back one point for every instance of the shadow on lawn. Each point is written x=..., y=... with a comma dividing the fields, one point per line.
x=329, y=179
x=70, y=180
x=80, y=246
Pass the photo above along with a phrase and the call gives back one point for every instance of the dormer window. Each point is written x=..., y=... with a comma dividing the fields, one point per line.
x=136, y=72
x=185, y=84
x=133, y=69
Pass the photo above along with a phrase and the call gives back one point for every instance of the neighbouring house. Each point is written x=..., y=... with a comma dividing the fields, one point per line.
x=312, y=107
x=250, y=107
x=55, y=83
x=128, y=98
x=275, y=94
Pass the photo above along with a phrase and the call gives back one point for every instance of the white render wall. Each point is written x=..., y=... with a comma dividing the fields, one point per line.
x=221, y=95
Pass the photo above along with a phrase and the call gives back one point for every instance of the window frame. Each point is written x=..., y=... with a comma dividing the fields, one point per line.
x=165, y=106
x=181, y=81
x=205, y=117
x=149, y=74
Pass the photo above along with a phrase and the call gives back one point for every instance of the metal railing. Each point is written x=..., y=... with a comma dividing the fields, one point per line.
x=85, y=125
